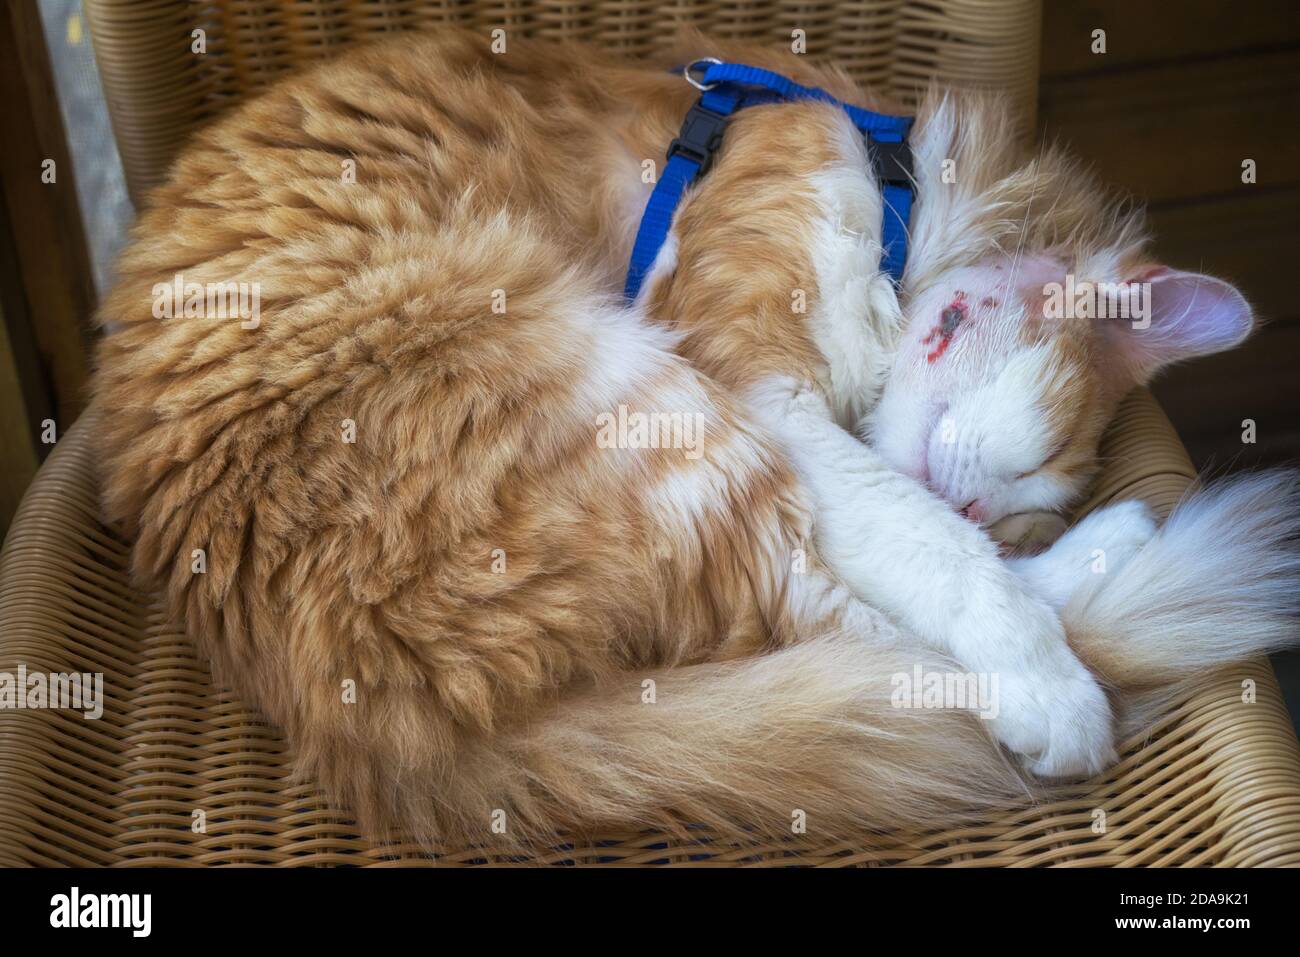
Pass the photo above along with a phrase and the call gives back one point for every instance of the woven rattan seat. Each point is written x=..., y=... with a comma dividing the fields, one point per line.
x=1215, y=783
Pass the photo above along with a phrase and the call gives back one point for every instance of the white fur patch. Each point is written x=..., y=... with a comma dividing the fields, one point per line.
x=627, y=353
x=856, y=314
x=665, y=265
x=633, y=372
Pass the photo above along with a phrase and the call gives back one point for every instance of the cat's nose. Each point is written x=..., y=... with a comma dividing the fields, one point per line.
x=973, y=510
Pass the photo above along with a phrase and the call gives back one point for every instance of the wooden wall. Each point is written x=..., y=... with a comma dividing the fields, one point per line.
x=1185, y=92
x=46, y=291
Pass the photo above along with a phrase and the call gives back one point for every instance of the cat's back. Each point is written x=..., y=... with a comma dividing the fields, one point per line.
x=365, y=295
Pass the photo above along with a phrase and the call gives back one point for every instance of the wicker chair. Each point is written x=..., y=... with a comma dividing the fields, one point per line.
x=1217, y=782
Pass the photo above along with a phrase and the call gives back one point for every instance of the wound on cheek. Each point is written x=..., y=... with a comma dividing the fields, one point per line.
x=940, y=337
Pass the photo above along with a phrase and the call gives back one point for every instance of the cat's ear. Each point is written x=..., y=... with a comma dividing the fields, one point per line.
x=1185, y=314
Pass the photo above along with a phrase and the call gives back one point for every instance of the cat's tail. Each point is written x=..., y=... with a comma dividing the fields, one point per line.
x=1219, y=582
x=825, y=737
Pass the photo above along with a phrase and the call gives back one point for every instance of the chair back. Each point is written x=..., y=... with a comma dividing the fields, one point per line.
x=169, y=66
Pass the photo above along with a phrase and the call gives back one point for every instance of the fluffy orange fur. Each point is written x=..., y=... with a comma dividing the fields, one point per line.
x=497, y=589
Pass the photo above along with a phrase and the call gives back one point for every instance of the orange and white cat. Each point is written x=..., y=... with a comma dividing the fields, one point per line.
x=494, y=546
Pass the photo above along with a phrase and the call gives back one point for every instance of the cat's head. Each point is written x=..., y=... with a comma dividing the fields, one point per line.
x=1031, y=307
x=1009, y=370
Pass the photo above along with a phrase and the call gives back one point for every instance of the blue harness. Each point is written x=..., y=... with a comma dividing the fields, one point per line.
x=728, y=87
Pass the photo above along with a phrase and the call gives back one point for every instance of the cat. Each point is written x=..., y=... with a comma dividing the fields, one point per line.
x=407, y=511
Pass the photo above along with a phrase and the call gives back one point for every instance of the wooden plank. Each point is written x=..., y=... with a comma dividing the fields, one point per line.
x=1242, y=238
x=43, y=219
x=1182, y=131
x=1209, y=398
x=1148, y=32
x=21, y=457
x=1213, y=457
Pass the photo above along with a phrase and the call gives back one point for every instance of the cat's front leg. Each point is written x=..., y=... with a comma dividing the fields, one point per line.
x=903, y=550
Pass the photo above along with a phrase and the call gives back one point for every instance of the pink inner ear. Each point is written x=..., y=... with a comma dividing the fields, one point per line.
x=1187, y=314
x=1147, y=275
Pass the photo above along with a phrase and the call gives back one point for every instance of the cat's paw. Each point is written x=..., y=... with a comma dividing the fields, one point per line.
x=1028, y=532
x=1119, y=530
x=1048, y=708
x=1056, y=716
x=1101, y=544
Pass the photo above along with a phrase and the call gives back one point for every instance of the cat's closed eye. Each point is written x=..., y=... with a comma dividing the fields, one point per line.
x=1057, y=451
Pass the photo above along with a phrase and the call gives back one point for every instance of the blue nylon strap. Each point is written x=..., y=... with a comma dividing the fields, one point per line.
x=730, y=87
x=887, y=129
x=657, y=220
x=893, y=230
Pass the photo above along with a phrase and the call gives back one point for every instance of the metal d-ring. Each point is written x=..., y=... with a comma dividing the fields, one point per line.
x=686, y=72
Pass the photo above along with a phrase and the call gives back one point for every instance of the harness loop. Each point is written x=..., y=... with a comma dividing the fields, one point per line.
x=691, y=68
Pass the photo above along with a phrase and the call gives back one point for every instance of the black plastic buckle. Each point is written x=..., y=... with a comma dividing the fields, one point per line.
x=700, y=136
x=893, y=162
